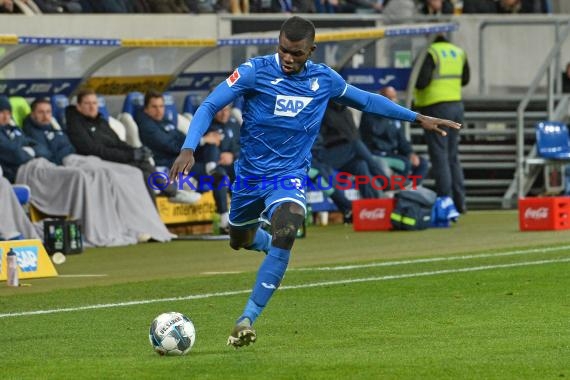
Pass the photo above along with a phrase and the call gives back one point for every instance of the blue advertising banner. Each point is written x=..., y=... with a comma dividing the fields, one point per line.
x=38, y=87
x=197, y=81
x=372, y=79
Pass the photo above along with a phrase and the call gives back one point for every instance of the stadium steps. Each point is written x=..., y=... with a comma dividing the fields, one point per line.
x=488, y=145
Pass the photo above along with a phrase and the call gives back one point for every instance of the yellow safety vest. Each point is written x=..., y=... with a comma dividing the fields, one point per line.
x=445, y=84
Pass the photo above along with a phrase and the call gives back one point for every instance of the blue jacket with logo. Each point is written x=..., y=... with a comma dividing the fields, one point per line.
x=161, y=137
x=384, y=137
x=12, y=154
x=54, y=141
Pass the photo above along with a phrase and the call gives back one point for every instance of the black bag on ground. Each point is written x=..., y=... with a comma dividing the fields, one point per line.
x=413, y=209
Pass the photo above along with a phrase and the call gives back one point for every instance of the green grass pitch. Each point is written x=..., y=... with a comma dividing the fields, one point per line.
x=480, y=300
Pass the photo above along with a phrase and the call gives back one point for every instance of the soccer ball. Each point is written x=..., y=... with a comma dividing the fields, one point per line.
x=172, y=334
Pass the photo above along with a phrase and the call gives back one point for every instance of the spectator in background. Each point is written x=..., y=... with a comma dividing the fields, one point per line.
x=228, y=127
x=506, y=6
x=168, y=6
x=60, y=6
x=285, y=6
x=345, y=151
x=6, y=6
x=436, y=7
x=15, y=148
x=108, y=215
x=480, y=6
x=321, y=174
x=165, y=141
x=92, y=135
x=386, y=139
x=566, y=79
x=14, y=222
x=438, y=94
x=399, y=9
x=509, y=6
x=536, y=6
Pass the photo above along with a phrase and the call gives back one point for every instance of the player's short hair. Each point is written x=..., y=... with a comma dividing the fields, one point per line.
x=39, y=101
x=151, y=94
x=83, y=93
x=298, y=28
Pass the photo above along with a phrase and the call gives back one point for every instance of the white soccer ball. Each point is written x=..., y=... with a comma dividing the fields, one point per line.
x=172, y=334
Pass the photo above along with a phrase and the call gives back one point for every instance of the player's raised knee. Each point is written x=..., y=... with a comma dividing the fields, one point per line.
x=285, y=222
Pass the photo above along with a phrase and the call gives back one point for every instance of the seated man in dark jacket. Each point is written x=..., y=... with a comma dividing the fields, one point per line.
x=91, y=134
x=345, y=151
x=15, y=148
x=386, y=138
x=165, y=141
x=113, y=209
x=326, y=174
x=38, y=127
x=229, y=129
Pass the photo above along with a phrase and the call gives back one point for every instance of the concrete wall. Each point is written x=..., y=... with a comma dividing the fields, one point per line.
x=512, y=54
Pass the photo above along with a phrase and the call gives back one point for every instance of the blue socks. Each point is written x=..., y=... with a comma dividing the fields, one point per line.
x=268, y=279
x=261, y=242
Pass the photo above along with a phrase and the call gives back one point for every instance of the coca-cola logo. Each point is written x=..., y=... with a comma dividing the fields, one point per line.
x=536, y=213
x=374, y=214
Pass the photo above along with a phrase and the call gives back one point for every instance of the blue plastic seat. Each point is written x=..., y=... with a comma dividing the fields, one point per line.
x=552, y=140
x=58, y=105
x=103, y=107
x=170, y=111
x=134, y=101
x=191, y=103
x=23, y=193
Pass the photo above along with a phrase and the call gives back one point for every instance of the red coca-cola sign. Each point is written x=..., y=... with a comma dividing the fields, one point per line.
x=544, y=213
x=536, y=213
x=372, y=214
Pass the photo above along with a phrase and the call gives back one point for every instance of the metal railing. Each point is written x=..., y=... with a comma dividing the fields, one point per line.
x=556, y=23
x=548, y=68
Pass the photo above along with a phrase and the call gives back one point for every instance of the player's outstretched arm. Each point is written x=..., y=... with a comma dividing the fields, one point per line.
x=182, y=164
x=433, y=123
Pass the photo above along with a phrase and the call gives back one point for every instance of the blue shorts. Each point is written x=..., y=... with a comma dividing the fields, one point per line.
x=254, y=202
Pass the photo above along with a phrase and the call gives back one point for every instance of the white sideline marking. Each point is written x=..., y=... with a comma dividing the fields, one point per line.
x=82, y=275
x=436, y=259
x=287, y=287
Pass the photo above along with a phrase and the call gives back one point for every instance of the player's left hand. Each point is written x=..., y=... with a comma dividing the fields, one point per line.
x=433, y=123
x=182, y=164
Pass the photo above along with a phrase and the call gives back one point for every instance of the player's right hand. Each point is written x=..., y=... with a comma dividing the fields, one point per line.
x=182, y=164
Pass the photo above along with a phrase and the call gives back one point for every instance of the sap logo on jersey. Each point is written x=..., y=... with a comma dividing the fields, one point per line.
x=290, y=106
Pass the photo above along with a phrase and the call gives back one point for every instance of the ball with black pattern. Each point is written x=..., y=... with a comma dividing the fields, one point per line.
x=172, y=334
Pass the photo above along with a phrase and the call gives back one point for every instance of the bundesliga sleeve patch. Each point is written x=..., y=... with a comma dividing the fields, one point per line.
x=232, y=79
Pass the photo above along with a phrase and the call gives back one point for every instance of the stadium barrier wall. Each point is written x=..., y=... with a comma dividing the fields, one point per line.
x=506, y=45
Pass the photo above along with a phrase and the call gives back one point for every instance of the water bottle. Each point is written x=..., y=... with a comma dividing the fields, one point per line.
x=302, y=231
x=59, y=242
x=216, y=224
x=73, y=237
x=12, y=261
x=309, y=215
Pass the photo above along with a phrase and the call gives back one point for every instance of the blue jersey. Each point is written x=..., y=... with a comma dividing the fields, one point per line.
x=282, y=113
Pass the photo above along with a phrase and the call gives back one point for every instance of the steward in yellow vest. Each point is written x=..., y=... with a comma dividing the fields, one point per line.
x=443, y=74
x=438, y=94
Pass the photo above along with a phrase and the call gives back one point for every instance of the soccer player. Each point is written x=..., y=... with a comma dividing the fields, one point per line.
x=285, y=98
